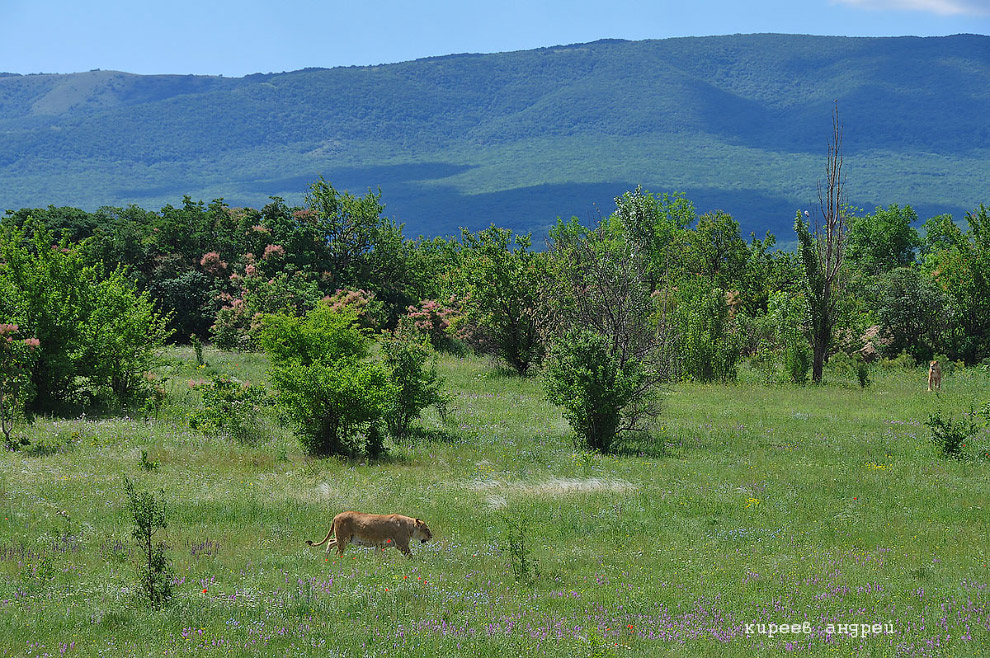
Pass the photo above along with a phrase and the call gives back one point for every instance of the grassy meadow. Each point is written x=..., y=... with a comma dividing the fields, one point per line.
x=757, y=505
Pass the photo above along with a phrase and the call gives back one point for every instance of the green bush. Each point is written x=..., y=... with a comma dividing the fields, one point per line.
x=98, y=334
x=949, y=435
x=325, y=381
x=411, y=365
x=585, y=378
x=707, y=341
x=230, y=408
x=16, y=359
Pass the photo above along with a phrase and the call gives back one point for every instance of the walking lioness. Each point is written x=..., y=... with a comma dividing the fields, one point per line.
x=934, y=376
x=380, y=530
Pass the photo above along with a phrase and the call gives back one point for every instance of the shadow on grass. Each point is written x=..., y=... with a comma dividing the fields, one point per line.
x=641, y=444
x=432, y=435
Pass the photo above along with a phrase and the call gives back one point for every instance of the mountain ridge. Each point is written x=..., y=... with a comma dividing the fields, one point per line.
x=447, y=137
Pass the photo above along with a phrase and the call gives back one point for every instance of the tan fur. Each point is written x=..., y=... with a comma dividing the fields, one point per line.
x=379, y=530
x=934, y=376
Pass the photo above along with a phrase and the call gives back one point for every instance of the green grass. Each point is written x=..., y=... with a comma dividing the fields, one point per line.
x=756, y=505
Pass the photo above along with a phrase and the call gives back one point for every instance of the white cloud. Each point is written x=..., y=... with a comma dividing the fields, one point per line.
x=941, y=7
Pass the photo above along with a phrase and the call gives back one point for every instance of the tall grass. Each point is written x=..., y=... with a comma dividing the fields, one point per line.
x=762, y=505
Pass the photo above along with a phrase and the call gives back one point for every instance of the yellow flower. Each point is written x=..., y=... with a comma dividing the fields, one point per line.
x=752, y=502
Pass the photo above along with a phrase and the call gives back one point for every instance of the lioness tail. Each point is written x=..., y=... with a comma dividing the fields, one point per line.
x=324, y=540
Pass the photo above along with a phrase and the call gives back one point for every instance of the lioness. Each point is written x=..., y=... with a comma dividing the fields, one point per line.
x=934, y=376
x=377, y=530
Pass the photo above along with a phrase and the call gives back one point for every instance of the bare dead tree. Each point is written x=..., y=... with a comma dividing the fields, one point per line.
x=822, y=252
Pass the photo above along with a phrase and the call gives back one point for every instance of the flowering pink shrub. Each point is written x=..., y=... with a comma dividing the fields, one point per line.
x=369, y=311
x=211, y=263
x=444, y=323
x=273, y=250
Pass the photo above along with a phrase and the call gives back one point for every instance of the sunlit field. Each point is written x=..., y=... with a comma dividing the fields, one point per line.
x=823, y=509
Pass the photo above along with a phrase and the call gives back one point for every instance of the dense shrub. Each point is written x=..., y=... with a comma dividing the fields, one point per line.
x=411, y=365
x=325, y=381
x=500, y=279
x=98, y=334
x=583, y=376
x=230, y=408
x=708, y=344
x=16, y=358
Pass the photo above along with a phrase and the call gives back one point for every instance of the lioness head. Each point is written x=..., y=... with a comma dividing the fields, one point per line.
x=422, y=532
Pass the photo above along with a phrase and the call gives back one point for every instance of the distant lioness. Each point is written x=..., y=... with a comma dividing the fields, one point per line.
x=934, y=376
x=380, y=530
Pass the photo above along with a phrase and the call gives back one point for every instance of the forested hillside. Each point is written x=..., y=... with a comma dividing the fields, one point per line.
x=737, y=123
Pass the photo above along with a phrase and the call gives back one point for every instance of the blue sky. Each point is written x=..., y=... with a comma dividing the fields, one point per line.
x=235, y=38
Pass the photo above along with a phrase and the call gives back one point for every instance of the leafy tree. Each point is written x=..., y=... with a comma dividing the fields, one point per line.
x=325, y=381
x=122, y=335
x=962, y=269
x=883, y=241
x=360, y=247
x=913, y=313
x=411, y=365
x=707, y=343
x=501, y=280
x=656, y=224
x=16, y=359
x=96, y=332
x=720, y=252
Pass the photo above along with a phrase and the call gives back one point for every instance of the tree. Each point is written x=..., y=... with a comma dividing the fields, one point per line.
x=501, y=280
x=97, y=333
x=913, y=313
x=612, y=341
x=960, y=263
x=16, y=359
x=883, y=241
x=823, y=251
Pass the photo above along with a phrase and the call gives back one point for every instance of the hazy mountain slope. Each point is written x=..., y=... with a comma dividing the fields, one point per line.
x=737, y=122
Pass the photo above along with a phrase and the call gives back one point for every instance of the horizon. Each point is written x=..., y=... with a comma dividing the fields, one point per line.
x=229, y=39
x=473, y=54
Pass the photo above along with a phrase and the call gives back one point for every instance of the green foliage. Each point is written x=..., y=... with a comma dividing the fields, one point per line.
x=914, y=314
x=238, y=323
x=500, y=280
x=97, y=333
x=593, y=386
x=854, y=366
x=17, y=357
x=883, y=241
x=154, y=568
x=147, y=465
x=198, y=348
x=960, y=264
x=525, y=569
x=656, y=225
x=325, y=382
x=949, y=435
x=230, y=409
x=707, y=342
x=411, y=365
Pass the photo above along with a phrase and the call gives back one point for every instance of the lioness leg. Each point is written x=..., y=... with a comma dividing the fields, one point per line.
x=404, y=547
x=342, y=544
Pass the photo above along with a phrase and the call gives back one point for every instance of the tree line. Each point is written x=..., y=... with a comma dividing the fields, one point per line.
x=651, y=291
